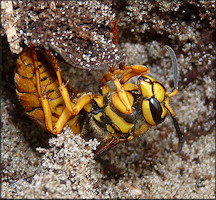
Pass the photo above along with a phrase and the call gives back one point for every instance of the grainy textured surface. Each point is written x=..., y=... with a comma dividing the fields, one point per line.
x=80, y=31
x=146, y=167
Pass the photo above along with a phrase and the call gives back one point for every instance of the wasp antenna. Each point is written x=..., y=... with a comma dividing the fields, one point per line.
x=175, y=65
x=180, y=135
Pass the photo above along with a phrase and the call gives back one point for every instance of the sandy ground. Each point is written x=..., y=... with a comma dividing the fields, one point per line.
x=35, y=164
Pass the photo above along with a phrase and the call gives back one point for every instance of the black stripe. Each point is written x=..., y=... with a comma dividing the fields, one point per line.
x=50, y=91
x=33, y=109
x=45, y=78
x=60, y=104
x=24, y=76
x=136, y=107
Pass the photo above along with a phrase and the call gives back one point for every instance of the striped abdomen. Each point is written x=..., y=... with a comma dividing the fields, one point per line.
x=25, y=81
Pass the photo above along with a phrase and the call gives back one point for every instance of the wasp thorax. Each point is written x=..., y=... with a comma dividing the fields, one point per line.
x=153, y=94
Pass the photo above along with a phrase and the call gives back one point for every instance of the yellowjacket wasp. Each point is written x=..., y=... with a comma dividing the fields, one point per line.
x=113, y=116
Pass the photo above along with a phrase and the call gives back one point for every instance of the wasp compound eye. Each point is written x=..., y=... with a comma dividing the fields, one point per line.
x=153, y=111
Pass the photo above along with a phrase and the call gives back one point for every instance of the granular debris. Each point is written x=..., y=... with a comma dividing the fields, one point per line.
x=79, y=31
x=62, y=169
x=146, y=167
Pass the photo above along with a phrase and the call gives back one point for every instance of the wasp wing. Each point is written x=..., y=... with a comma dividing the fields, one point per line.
x=106, y=145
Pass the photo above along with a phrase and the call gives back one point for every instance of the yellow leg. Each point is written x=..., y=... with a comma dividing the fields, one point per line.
x=126, y=72
x=62, y=87
x=173, y=93
x=66, y=115
x=108, y=75
x=133, y=70
x=142, y=129
x=42, y=97
x=82, y=101
x=71, y=109
x=63, y=119
x=122, y=94
x=167, y=102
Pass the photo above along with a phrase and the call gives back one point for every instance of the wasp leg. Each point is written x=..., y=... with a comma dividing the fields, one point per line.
x=78, y=104
x=62, y=120
x=120, y=95
x=43, y=97
x=115, y=33
x=133, y=70
x=81, y=102
x=126, y=72
x=62, y=87
x=144, y=128
x=109, y=75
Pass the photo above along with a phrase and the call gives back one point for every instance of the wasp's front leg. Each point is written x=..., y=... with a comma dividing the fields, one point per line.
x=131, y=71
x=120, y=98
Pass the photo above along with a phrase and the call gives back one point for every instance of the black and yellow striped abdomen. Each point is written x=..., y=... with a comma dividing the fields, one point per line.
x=28, y=95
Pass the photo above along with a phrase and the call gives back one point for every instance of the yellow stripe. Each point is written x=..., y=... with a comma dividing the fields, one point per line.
x=74, y=125
x=147, y=112
x=110, y=128
x=99, y=100
x=98, y=116
x=118, y=121
x=144, y=128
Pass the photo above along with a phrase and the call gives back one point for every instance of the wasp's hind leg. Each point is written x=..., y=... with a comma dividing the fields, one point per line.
x=42, y=96
x=85, y=98
x=120, y=95
x=71, y=108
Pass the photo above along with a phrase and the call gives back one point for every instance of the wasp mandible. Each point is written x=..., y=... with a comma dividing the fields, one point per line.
x=112, y=116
